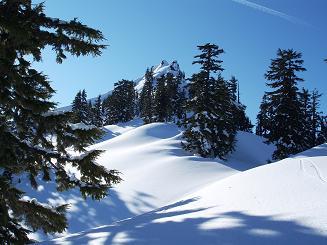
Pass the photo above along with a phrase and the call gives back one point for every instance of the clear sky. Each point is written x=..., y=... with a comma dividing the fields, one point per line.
x=141, y=33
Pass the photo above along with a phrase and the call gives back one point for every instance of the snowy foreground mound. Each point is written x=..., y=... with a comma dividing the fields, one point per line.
x=176, y=198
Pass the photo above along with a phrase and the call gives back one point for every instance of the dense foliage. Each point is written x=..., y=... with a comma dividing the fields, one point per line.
x=34, y=138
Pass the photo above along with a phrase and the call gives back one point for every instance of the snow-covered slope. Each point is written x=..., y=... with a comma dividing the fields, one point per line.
x=156, y=172
x=280, y=203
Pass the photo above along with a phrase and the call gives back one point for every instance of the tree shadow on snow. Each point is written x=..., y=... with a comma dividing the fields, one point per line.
x=147, y=229
x=84, y=214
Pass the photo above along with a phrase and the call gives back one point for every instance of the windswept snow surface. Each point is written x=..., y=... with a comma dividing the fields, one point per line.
x=280, y=203
x=156, y=171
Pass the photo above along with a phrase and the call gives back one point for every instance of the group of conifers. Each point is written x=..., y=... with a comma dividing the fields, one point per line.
x=208, y=107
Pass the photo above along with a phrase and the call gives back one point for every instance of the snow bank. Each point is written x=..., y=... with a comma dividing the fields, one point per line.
x=156, y=172
x=279, y=203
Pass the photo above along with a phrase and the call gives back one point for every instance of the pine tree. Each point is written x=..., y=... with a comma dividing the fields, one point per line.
x=306, y=117
x=210, y=129
x=108, y=112
x=76, y=107
x=176, y=97
x=242, y=121
x=233, y=88
x=146, y=98
x=86, y=109
x=120, y=106
x=161, y=100
x=315, y=117
x=97, y=112
x=263, y=117
x=286, y=122
x=322, y=134
x=28, y=122
x=81, y=108
x=126, y=94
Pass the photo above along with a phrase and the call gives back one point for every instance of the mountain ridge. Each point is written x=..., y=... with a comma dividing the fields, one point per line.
x=163, y=68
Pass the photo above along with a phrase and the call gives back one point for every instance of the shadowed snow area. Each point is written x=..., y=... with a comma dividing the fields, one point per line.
x=279, y=203
x=156, y=172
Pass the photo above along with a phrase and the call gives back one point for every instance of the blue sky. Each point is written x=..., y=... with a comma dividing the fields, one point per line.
x=141, y=33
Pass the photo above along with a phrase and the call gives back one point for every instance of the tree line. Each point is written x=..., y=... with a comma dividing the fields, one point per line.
x=208, y=107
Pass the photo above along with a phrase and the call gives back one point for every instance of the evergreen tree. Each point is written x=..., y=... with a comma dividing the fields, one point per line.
x=176, y=97
x=125, y=92
x=108, y=112
x=97, y=113
x=86, y=109
x=81, y=108
x=286, y=122
x=28, y=122
x=180, y=105
x=161, y=101
x=146, y=98
x=76, y=106
x=263, y=117
x=322, y=135
x=210, y=129
x=240, y=118
x=315, y=117
x=242, y=121
x=120, y=106
x=306, y=111
x=233, y=88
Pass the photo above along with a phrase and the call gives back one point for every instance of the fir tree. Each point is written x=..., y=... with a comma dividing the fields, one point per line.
x=242, y=121
x=306, y=117
x=322, y=134
x=81, y=108
x=233, y=88
x=210, y=129
x=120, y=106
x=146, y=98
x=76, y=106
x=240, y=118
x=108, y=113
x=176, y=96
x=28, y=122
x=86, y=109
x=263, y=117
x=161, y=101
x=126, y=94
x=97, y=112
x=315, y=117
x=286, y=124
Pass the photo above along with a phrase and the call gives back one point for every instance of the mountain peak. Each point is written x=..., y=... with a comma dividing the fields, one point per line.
x=162, y=69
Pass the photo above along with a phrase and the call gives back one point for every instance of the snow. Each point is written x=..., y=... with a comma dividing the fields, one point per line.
x=279, y=203
x=169, y=196
x=155, y=169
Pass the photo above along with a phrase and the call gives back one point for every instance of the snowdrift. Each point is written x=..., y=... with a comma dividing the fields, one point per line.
x=155, y=169
x=280, y=203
